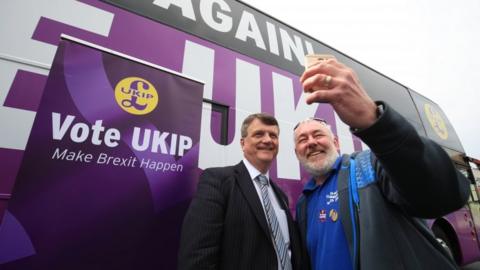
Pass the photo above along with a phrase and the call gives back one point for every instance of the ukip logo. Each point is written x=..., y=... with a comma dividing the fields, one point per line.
x=136, y=95
x=436, y=121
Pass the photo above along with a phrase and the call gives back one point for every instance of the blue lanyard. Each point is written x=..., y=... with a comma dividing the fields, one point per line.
x=354, y=199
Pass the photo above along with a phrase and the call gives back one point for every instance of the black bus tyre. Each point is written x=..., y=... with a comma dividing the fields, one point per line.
x=445, y=241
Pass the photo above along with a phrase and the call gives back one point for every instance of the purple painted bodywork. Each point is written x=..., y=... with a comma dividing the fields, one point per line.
x=162, y=45
x=465, y=233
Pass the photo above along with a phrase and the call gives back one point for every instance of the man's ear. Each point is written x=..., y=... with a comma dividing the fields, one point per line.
x=336, y=143
x=242, y=142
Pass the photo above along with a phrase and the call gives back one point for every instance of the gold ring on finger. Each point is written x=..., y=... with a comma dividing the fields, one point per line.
x=327, y=80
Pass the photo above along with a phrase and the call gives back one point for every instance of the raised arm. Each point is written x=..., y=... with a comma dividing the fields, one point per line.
x=413, y=172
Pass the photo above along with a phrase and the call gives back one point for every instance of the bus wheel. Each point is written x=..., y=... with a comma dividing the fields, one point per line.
x=446, y=243
x=445, y=246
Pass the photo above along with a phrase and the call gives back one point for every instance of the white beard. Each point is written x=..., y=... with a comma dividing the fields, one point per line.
x=317, y=169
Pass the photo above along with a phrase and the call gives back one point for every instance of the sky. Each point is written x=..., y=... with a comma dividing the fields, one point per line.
x=430, y=46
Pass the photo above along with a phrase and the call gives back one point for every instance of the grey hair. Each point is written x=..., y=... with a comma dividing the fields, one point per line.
x=311, y=119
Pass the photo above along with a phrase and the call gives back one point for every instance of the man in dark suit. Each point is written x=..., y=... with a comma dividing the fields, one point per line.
x=238, y=218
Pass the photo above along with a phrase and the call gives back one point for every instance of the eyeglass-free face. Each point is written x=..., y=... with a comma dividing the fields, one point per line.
x=314, y=140
x=260, y=146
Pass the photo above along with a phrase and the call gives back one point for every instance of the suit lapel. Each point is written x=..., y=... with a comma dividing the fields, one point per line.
x=251, y=196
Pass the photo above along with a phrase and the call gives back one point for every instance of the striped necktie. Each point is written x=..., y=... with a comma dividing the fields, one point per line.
x=280, y=245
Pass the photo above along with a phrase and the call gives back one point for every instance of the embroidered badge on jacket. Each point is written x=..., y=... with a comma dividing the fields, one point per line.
x=332, y=197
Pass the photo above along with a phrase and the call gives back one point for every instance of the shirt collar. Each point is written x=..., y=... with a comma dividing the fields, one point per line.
x=252, y=171
x=311, y=185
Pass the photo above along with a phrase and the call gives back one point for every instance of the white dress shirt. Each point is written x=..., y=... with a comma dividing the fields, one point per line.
x=279, y=212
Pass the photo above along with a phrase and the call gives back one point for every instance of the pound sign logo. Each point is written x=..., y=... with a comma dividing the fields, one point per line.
x=136, y=95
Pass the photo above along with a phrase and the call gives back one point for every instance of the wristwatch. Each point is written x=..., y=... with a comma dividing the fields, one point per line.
x=380, y=109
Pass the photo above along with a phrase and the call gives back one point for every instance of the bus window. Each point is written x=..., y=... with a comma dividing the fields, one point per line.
x=219, y=124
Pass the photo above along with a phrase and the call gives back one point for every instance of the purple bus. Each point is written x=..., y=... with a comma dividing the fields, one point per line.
x=459, y=231
x=248, y=62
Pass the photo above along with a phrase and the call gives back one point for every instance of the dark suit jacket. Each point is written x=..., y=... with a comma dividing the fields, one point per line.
x=226, y=228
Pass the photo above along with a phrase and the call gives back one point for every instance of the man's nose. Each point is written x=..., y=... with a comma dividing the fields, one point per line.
x=311, y=142
x=267, y=138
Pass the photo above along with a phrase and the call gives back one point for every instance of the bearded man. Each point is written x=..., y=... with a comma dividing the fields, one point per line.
x=365, y=210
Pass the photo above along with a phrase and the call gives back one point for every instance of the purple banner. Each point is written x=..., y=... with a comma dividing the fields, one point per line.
x=109, y=167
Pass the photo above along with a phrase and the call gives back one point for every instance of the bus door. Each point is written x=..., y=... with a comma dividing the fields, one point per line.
x=473, y=202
